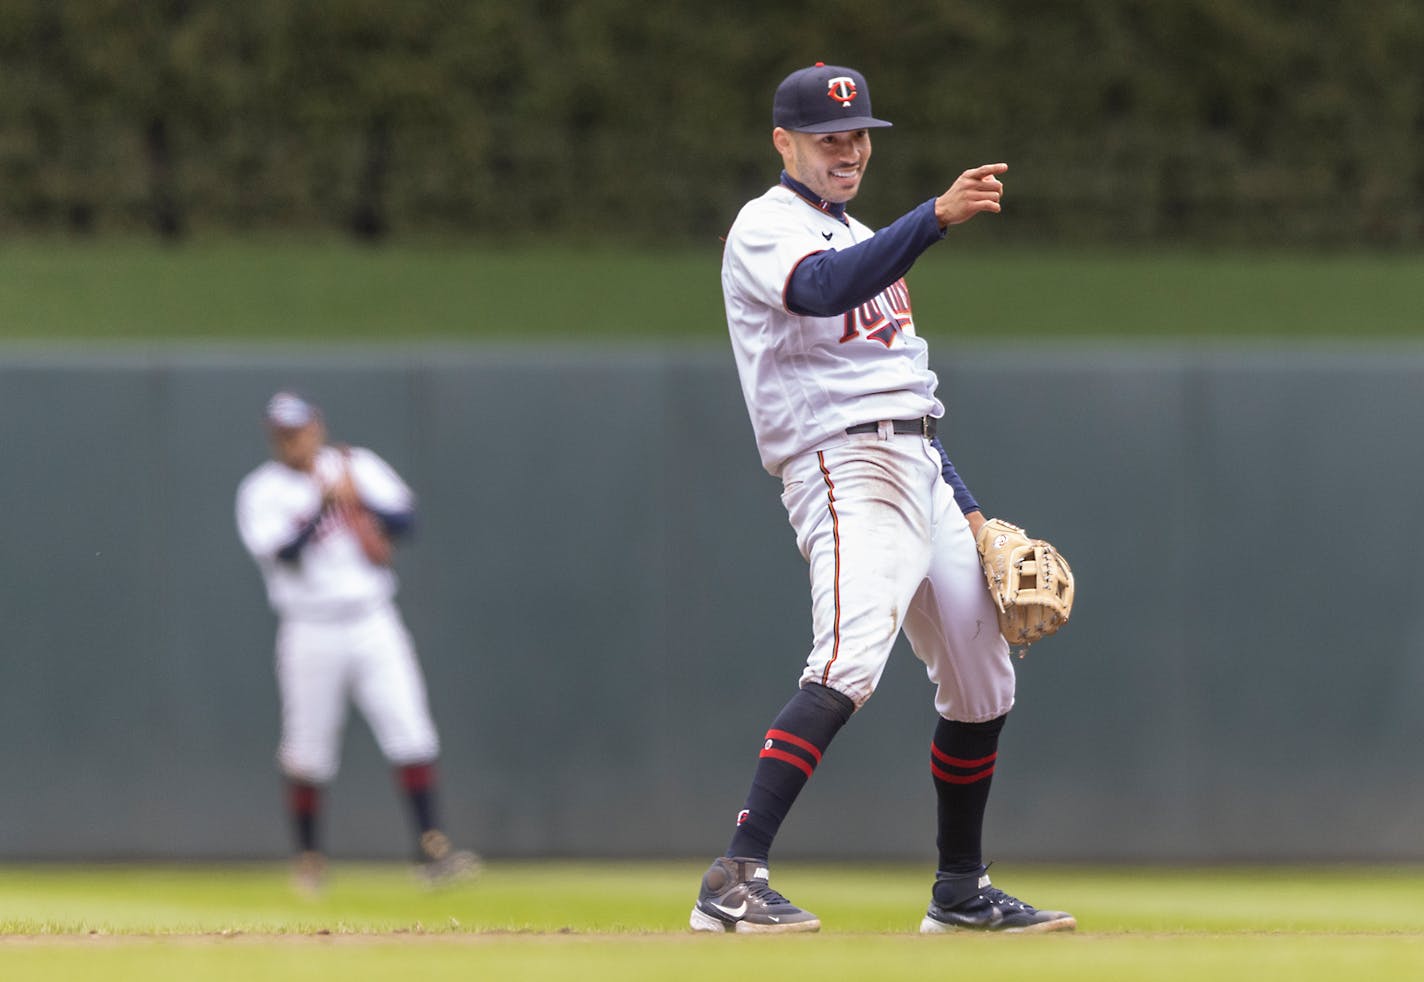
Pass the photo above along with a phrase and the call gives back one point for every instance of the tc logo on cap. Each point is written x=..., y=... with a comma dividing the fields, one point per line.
x=823, y=99
x=842, y=89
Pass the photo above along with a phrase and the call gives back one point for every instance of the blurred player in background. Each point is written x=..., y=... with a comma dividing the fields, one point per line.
x=320, y=520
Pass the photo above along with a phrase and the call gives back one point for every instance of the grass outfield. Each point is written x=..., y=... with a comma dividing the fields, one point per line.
x=626, y=921
x=294, y=291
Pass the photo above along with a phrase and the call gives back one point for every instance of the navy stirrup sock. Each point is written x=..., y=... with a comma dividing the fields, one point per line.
x=418, y=783
x=303, y=804
x=793, y=747
x=962, y=759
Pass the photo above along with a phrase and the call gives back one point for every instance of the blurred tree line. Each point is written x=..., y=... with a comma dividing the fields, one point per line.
x=1213, y=121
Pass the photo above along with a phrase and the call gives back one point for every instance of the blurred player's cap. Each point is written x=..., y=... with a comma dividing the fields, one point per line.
x=289, y=411
x=823, y=99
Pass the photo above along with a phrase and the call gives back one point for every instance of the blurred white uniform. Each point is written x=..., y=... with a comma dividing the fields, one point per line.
x=340, y=635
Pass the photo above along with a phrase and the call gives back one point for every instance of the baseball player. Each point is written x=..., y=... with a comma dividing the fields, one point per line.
x=320, y=521
x=843, y=407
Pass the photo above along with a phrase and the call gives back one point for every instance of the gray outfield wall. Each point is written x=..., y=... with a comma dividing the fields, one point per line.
x=610, y=607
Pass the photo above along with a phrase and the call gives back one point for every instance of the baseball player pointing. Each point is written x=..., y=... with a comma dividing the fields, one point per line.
x=320, y=520
x=844, y=409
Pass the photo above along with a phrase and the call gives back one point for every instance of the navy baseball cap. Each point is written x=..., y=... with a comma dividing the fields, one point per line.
x=823, y=99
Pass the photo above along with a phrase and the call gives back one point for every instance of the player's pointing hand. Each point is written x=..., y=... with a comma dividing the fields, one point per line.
x=977, y=189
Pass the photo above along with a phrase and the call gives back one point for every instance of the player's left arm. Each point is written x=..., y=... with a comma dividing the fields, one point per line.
x=962, y=497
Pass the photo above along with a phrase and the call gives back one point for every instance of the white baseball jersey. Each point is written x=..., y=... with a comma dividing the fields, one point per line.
x=805, y=379
x=332, y=577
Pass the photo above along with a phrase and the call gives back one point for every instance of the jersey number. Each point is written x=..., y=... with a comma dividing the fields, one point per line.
x=882, y=318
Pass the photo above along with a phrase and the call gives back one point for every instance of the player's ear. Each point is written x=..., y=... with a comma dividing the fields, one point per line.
x=781, y=140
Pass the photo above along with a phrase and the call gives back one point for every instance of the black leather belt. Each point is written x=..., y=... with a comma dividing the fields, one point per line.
x=924, y=426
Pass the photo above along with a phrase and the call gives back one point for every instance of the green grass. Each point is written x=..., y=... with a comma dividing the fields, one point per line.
x=287, y=290
x=626, y=921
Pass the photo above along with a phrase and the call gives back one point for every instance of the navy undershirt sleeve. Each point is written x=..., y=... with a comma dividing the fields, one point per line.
x=397, y=524
x=829, y=283
x=962, y=497
x=290, y=552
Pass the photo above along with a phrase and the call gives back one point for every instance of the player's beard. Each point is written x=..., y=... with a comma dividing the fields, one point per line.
x=824, y=183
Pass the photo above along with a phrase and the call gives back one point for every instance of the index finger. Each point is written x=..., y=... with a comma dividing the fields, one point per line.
x=984, y=170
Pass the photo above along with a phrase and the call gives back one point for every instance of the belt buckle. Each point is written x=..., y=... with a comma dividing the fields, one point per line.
x=925, y=427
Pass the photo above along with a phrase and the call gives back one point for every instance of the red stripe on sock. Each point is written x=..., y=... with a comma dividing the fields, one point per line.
x=949, y=778
x=795, y=741
x=792, y=759
x=302, y=798
x=959, y=761
x=417, y=777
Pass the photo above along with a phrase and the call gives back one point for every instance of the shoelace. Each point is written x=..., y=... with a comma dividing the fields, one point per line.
x=999, y=898
x=762, y=891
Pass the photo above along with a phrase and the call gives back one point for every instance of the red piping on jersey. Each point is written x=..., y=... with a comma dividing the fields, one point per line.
x=787, y=285
x=836, y=535
x=795, y=741
x=836, y=209
x=820, y=204
x=792, y=759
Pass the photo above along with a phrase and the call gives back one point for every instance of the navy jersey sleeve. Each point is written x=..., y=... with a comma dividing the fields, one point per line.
x=962, y=497
x=829, y=283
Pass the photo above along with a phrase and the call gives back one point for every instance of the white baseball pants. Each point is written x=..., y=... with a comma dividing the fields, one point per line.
x=368, y=659
x=888, y=550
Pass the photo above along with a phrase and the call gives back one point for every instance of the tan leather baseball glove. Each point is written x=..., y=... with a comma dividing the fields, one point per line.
x=1030, y=581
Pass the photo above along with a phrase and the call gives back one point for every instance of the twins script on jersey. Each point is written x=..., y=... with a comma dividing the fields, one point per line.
x=805, y=379
x=332, y=577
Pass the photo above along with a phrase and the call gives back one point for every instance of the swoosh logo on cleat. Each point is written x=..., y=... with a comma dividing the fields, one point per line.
x=732, y=911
